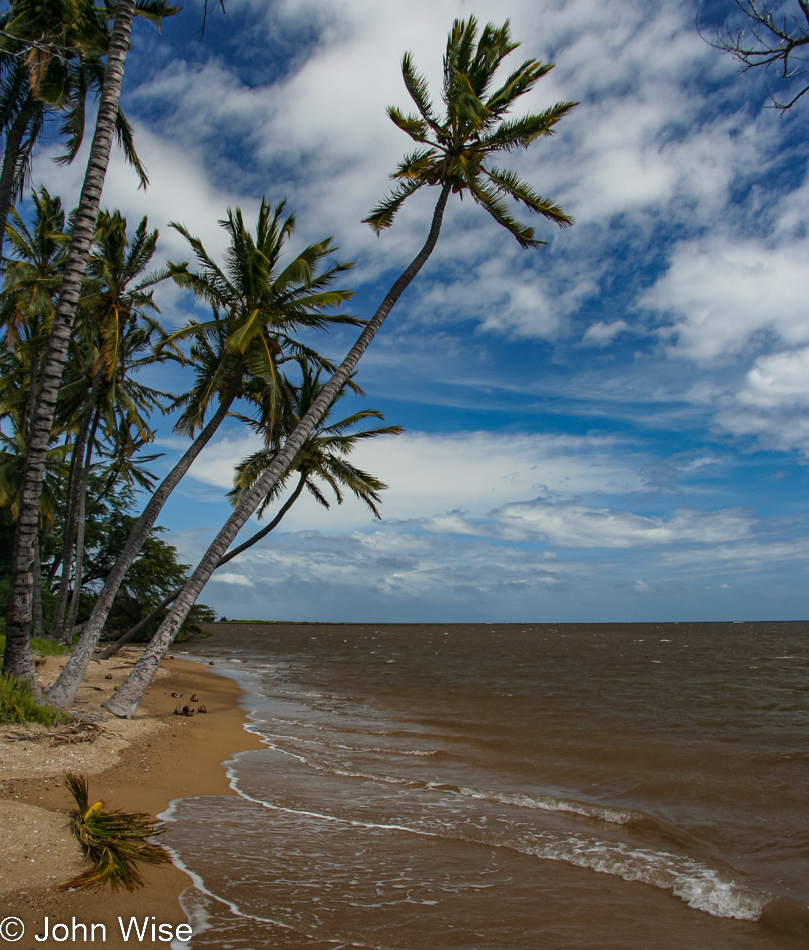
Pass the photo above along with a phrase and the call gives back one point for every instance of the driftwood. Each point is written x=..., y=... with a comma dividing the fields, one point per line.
x=70, y=733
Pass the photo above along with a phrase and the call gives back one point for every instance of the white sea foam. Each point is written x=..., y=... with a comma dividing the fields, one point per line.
x=617, y=816
x=698, y=885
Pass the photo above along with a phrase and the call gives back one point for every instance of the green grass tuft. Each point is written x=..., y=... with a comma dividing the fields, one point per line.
x=19, y=706
x=48, y=647
x=41, y=646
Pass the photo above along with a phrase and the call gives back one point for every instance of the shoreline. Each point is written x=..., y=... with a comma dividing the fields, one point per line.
x=136, y=765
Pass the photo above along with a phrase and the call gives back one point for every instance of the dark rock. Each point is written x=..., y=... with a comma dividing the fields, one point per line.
x=203, y=708
x=194, y=698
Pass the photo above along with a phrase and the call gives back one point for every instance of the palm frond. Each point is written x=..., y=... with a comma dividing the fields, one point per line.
x=416, y=85
x=511, y=184
x=115, y=841
x=383, y=214
x=492, y=201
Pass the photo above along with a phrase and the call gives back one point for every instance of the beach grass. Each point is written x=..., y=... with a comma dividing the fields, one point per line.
x=40, y=645
x=17, y=705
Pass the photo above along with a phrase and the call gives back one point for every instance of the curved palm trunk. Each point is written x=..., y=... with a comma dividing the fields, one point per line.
x=18, y=659
x=74, y=497
x=125, y=702
x=130, y=634
x=67, y=633
x=63, y=691
x=11, y=157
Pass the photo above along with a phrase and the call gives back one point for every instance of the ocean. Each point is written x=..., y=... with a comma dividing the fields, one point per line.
x=483, y=787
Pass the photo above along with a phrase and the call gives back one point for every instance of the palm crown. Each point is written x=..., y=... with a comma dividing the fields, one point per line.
x=257, y=305
x=324, y=453
x=457, y=150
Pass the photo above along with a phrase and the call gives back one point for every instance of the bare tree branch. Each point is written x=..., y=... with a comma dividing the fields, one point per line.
x=770, y=40
x=205, y=16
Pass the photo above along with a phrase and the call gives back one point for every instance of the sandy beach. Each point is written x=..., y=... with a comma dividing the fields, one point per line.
x=137, y=765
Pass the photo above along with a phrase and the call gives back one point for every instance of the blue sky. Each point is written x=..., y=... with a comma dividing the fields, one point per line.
x=611, y=428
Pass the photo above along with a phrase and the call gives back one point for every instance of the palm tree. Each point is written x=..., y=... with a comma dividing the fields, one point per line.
x=12, y=459
x=31, y=283
x=50, y=60
x=18, y=659
x=257, y=304
x=455, y=158
x=322, y=458
x=113, y=330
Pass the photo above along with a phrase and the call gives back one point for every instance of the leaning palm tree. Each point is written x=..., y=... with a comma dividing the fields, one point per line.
x=18, y=658
x=323, y=459
x=455, y=156
x=258, y=303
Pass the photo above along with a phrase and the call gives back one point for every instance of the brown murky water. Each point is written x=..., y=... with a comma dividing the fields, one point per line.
x=626, y=786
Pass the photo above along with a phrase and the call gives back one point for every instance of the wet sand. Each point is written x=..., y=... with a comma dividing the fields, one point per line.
x=138, y=765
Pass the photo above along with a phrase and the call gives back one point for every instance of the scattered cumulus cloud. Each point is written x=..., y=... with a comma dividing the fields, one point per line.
x=602, y=334
x=577, y=526
x=725, y=296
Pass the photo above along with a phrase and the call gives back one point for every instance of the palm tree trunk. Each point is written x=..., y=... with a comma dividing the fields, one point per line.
x=130, y=634
x=38, y=621
x=67, y=633
x=125, y=701
x=74, y=501
x=11, y=156
x=18, y=659
x=63, y=691
x=36, y=594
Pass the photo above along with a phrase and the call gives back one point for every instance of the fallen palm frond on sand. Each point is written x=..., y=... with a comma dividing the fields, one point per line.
x=114, y=841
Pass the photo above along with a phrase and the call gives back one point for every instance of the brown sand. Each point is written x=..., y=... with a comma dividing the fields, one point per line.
x=136, y=765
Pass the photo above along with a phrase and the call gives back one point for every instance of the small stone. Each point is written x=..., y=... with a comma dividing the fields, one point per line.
x=176, y=695
x=194, y=698
x=188, y=711
x=178, y=710
x=210, y=663
x=171, y=657
x=108, y=676
x=203, y=708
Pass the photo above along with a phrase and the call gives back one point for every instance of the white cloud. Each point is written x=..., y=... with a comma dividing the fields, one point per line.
x=602, y=334
x=723, y=294
x=238, y=579
x=576, y=526
x=779, y=380
x=772, y=403
x=397, y=566
x=748, y=556
x=470, y=471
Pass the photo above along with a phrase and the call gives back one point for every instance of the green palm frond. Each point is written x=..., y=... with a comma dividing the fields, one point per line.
x=415, y=127
x=492, y=201
x=512, y=185
x=520, y=133
x=383, y=214
x=115, y=841
x=416, y=85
